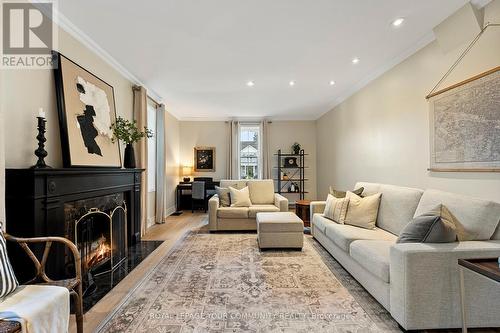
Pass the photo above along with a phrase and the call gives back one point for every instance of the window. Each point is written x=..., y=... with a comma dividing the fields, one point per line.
x=152, y=147
x=250, y=151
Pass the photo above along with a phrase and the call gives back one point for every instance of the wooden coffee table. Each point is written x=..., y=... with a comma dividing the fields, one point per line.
x=487, y=267
x=303, y=209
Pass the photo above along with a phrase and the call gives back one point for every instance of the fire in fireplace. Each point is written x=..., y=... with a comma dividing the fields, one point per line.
x=100, y=233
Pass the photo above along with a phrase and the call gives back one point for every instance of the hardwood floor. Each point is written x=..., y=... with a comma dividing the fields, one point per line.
x=170, y=232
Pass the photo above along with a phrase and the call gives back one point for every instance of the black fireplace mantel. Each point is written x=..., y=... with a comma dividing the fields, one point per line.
x=35, y=198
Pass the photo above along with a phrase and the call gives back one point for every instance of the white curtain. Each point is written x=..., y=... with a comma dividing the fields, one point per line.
x=266, y=158
x=141, y=149
x=161, y=166
x=233, y=168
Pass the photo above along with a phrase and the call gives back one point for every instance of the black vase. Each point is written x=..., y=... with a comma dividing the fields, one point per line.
x=129, y=158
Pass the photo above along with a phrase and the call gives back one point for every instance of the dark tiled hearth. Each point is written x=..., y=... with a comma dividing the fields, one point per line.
x=104, y=283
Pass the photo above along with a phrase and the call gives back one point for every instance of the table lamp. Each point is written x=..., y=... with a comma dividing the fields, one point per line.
x=186, y=172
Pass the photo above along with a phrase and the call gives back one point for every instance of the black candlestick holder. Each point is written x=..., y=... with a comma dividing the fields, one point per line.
x=41, y=153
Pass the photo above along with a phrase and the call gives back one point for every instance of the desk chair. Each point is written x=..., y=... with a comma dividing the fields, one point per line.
x=198, y=196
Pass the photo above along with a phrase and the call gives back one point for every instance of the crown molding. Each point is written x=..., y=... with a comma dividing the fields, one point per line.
x=64, y=23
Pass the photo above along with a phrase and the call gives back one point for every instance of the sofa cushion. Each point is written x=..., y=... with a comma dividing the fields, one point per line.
x=224, y=196
x=320, y=222
x=238, y=184
x=233, y=212
x=240, y=198
x=342, y=194
x=436, y=226
x=336, y=208
x=261, y=191
x=374, y=256
x=397, y=205
x=478, y=218
x=362, y=212
x=343, y=235
x=254, y=209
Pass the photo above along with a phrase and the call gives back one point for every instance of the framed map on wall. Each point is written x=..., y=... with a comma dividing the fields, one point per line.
x=86, y=107
x=465, y=125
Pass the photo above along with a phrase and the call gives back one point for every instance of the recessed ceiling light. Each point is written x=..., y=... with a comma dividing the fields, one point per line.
x=291, y=83
x=355, y=60
x=332, y=83
x=250, y=83
x=397, y=22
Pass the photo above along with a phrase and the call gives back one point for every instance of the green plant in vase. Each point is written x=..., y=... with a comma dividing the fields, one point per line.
x=296, y=148
x=128, y=132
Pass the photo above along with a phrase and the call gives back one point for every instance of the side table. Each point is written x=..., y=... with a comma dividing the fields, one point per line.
x=487, y=267
x=302, y=209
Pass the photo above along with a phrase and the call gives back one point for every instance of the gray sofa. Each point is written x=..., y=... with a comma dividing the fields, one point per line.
x=418, y=283
x=262, y=197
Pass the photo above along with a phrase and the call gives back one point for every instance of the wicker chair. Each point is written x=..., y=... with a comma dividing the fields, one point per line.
x=74, y=285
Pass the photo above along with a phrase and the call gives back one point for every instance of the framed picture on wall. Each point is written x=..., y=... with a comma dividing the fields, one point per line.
x=204, y=159
x=86, y=108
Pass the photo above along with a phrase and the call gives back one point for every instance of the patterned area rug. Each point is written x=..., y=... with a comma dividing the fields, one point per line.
x=223, y=283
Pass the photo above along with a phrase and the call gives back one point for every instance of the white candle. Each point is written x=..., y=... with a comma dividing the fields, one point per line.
x=41, y=113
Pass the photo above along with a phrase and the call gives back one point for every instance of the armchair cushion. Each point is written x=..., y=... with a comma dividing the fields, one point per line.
x=8, y=281
x=232, y=212
x=254, y=209
x=261, y=191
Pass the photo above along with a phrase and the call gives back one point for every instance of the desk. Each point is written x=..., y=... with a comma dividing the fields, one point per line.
x=185, y=186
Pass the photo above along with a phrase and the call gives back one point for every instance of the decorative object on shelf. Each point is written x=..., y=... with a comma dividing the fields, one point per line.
x=40, y=152
x=464, y=121
x=290, y=162
x=296, y=148
x=204, y=159
x=186, y=172
x=293, y=181
x=127, y=131
x=86, y=107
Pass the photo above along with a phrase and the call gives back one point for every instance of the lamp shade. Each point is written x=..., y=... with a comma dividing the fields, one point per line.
x=186, y=170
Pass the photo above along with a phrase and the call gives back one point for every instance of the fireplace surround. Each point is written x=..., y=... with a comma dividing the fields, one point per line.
x=52, y=202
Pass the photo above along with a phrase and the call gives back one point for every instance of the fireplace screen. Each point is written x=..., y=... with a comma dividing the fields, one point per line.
x=98, y=227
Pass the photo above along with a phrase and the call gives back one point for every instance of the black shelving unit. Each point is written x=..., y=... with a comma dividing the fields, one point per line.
x=296, y=173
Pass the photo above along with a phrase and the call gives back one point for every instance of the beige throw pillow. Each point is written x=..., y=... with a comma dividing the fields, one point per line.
x=240, y=198
x=336, y=209
x=223, y=194
x=362, y=212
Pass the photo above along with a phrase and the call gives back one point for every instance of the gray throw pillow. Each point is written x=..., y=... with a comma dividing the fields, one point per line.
x=224, y=197
x=428, y=228
x=342, y=194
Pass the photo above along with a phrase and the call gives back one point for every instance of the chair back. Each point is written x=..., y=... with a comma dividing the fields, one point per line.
x=203, y=179
x=198, y=190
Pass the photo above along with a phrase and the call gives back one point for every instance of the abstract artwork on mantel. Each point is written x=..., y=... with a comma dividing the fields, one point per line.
x=86, y=107
x=465, y=125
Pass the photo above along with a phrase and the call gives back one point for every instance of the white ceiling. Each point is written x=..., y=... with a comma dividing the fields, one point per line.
x=198, y=55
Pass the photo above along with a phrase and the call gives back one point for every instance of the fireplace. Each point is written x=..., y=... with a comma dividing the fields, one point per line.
x=98, y=227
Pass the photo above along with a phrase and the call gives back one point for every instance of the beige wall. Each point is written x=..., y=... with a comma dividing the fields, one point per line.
x=30, y=89
x=216, y=133
x=209, y=134
x=381, y=133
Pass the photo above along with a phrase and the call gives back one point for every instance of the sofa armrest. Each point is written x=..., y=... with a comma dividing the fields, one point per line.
x=281, y=202
x=213, y=205
x=424, y=285
x=316, y=207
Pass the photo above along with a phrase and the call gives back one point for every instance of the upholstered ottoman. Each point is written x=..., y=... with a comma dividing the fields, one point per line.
x=279, y=230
